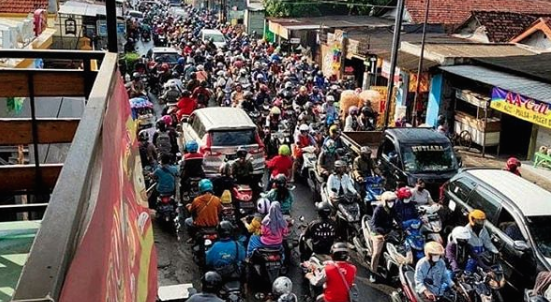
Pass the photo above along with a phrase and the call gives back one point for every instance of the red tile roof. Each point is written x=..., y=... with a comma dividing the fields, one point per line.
x=454, y=12
x=502, y=26
x=22, y=6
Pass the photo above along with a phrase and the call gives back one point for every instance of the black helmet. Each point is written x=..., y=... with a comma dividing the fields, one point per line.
x=339, y=251
x=366, y=110
x=211, y=282
x=225, y=229
x=242, y=152
x=248, y=95
x=280, y=181
x=186, y=93
x=324, y=209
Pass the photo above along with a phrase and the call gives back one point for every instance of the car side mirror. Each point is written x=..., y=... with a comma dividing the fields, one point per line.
x=520, y=245
x=185, y=120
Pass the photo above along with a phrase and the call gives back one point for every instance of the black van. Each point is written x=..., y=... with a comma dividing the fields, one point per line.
x=407, y=154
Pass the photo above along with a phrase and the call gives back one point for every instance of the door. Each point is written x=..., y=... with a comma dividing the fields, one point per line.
x=458, y=191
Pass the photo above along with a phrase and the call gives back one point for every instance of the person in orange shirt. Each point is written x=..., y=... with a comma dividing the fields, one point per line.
x=205, y=209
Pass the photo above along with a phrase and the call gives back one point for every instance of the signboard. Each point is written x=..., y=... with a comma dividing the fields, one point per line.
x=294, y=40
x=116, y=260
x=385, y=71
x=102, y=28
x=383, y=92
x=521, y=107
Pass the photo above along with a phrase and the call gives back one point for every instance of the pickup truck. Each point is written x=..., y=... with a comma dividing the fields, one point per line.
x=407, y=154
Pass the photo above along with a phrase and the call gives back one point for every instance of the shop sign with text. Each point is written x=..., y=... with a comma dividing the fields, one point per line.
x=524, y=108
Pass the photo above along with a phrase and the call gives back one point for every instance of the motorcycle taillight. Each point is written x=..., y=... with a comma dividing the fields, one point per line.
x=165, y=199
x=274, y=257
x=210, y=236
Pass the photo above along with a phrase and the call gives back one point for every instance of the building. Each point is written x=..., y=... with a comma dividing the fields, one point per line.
x=255, y=16
x=537, y=35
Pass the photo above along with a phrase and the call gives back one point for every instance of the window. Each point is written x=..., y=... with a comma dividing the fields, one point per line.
x=540, y=228
x=462, y=187
x=428, y=158
x=509, y=227
x=486, y=201
x=198, y=127
x=388, y=148
x=233, y=138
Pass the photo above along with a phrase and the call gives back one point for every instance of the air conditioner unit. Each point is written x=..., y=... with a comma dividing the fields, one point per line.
x=8, y=37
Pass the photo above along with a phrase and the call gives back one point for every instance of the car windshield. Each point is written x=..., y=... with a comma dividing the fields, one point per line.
x=215, y=38
x=170, y=58
x=428, y=158
x=540, y=228
x=233, y=138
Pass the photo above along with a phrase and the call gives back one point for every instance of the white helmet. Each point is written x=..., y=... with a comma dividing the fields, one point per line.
x=200, y=67
x=303, y=127
x=282, y=285
x=263, y=205
x=330, y=98
x=461, y=233
x=388, y=196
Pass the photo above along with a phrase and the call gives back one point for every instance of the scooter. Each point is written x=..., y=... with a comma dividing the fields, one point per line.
x=266, y=264
x=396, y=248
x=203, y=240
x=407, y=293
x=530, y=297
x=374, y=188
x=243, y=195
x=482, y=286
x=314, y=265
x=166, y=212
x=348, y=213
x=432, y=224
x=189, y=196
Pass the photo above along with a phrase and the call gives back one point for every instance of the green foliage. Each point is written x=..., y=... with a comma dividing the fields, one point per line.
x=130, y=58
x=282, y=9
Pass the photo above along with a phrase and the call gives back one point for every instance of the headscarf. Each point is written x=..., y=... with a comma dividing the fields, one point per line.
x=274, y=220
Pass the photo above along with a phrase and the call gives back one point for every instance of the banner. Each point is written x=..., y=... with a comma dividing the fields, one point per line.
x=116, y=259
x=521, y=107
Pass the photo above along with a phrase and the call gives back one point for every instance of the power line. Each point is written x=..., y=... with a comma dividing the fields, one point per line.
x=336, y=3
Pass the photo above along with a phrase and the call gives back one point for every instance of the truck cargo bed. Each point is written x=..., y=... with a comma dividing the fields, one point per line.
x=357, y=139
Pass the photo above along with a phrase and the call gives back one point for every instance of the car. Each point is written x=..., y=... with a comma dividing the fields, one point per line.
x=219, y=131
x=510, y=202
x=136, y=14
x=178, y=11
x=215, y=35
x=166, y=54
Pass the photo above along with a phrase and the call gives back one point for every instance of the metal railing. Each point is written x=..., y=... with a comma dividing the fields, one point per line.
x=56, y=241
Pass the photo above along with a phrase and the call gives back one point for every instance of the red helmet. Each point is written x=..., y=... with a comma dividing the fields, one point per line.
x=513, y=162
x=165, y=67
x=404, y=193
x=263, y=88
x=167, y=119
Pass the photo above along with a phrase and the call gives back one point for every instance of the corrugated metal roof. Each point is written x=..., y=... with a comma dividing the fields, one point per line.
x=84, y=9
x=529, y=88
x=531, y=66
x=408, y=61
x=473, y=50
x=333, y=21
x=531, y=199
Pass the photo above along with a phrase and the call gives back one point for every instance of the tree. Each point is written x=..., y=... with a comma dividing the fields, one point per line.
x=283, y=9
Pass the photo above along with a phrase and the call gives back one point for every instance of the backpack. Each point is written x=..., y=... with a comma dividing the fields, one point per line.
x=353, y=292
x=143, y=154
x=164, y=146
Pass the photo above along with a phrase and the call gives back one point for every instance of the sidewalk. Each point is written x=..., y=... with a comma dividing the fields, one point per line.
x=539, y=176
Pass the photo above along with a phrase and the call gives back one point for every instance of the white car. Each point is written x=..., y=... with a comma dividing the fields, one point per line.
x=215, y=35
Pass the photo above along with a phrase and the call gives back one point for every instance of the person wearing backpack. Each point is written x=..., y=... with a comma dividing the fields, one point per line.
x=226, y=256
x=165, y=175
x=202, y=95
x=165, y=139
x=337, y=277
x=148, y=154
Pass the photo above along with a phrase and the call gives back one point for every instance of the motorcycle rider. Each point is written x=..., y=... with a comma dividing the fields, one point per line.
x=137, y=87
x=274, y=118
x=226, y=255
x=405, y=209
x=431, y=278
x=237, y=95
x=204, y=210
x=211, y=284
x=280, y=164
x=351, y=123
x=302, y=140
x=368, y=117
x=363, y=166
x=224, y=181
x=165, y=175
x=327, y=159
x=381, y=225
x=459, y=253
x=281, y=193
x=334, y=274
x=191, y=165
x=274, y=228
x=320, y=234
x=254, y=224
x=339, y=183
x=331, y=114
x=302, y=96
x=202, y=94
x=421, y=196
x=334, y=134
x=480, y=241
x=165, y=138
x=248, y=103
x=148, y=153
x=193, y=82
x=242, y=169
x=513, y=165
x=171, y=95
x=186, y=105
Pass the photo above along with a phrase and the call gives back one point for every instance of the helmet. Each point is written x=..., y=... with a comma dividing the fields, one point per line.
x=330, y=98
x=513, y=163
x=353, y=110
x=388, y=196
x=290, y=297
x=280, y=180
x=330, y=145
x=243, y=71
x=339, y=251
x=461, y=233
x=365, y=150
x=334, y=87
x=284, y=150
x=192, y=146
x=282, y=285
x=303, y=128
x=167, y=119
x=288, y=85
x=181, y=61
x=404, y=193
x=242, y=152
x=225, y=229
x=365, y=110
x=200, y=67
x=308, y=105
x=476, y=215
x=225, y=169
x=211, y=282
x=143, y=135
x=275, y=110
x=340, y=164
x=205, y=185
x=263, y=205
x=333, y=129
x=324, y=209
x=433, y=248
x=302, y=89
x=248, y=95
x=136, y=75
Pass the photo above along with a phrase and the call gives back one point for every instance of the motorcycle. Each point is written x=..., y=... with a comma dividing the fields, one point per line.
x=314, y=266
x=166, y=211
x=189, y=196
x=374, y=188
x=243, y=195
x=161, y=40
x=396, y=248
x=348, y=213
x=265, y=266
x=146, y=36
x=407, y=293
x=309, y=159
x=482, y=286
x=432, y=224
x=203, y=240
x=529, y=296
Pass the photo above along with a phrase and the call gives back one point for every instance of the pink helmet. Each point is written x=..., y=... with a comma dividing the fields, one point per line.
x=167, y=119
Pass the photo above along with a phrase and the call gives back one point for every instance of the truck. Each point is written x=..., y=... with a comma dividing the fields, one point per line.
x=407, y=154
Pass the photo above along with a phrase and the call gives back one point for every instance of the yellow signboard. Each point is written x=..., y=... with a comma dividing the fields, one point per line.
x=521, y=107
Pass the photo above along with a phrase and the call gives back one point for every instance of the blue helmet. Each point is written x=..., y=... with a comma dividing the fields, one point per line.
x=205, y=185
x=181, y=61
x=192, y=147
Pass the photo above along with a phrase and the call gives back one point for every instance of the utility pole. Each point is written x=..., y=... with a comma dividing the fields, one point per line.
x=394, y=57
x=420, y=66
x=111, y=14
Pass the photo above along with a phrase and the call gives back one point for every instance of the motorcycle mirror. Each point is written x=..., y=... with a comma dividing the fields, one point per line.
x=208, y=242
x=291, y=187
x=301, y=218
x=520, y=245
x=334, y=190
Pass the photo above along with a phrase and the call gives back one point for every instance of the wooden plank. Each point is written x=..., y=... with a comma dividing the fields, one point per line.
x=47, y=82
x=50, y=131
x=21, y=177
x=51, y=54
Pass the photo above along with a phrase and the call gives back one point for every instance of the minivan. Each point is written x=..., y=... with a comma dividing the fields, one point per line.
x=215, y=35
x=219, y=131
x=508, y=201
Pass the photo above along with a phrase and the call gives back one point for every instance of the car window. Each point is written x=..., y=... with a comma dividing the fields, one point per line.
x=215, y=37
x=461, y=187
x=509, y=227
x=233, y=138
x=484, y=200
x=540, y=228
x=388, y=148
x=170, y=58
x=198, y=127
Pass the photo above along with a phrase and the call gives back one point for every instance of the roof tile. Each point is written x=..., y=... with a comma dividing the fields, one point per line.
x=22, y=6
x=502, y=26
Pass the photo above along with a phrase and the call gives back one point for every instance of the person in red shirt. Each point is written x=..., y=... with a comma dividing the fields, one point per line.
x=280, y=164
x=202, y=95
x=186, y=105
x=334, y=275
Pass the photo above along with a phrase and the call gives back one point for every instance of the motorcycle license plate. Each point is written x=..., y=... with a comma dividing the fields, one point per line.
x=273, y=264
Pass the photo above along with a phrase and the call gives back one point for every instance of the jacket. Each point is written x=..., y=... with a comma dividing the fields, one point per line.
x=336, y=182
x=326, y=162
x=482, y=240
x=457, y=259
x=405, y=211
x=335, y=290
x=256, y=225
x=425, y=271
x=381, y=222
x=166, y=178
x=192, y=165
x=186, y=106
x=322, y=233
x=271, y=239
x=242, y=169
x=206, y=214
x=280, y=164
x=286, y=204
x=225, y=252
x=362, y=168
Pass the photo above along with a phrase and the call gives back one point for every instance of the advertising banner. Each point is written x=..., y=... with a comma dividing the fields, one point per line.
x=116, y=260
x=521, y=107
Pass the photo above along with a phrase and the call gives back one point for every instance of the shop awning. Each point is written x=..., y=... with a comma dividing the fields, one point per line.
x=408, y=62
x=533, y=89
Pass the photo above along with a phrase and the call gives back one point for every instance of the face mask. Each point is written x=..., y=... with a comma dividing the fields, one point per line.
x=390, y=205
x=407, y=200
x=435, y=258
